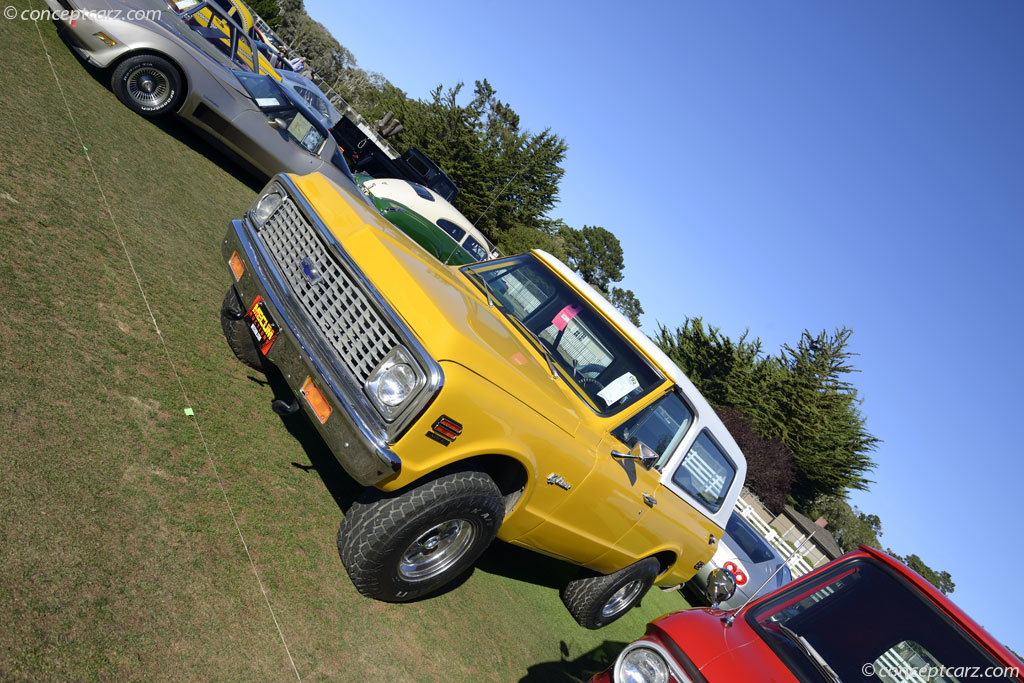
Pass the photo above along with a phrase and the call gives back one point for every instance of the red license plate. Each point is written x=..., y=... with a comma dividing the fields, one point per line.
x=264, y=329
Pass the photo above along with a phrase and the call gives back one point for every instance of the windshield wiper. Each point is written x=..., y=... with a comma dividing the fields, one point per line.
x=808, y=650
x=537, y=342
x=483, y=285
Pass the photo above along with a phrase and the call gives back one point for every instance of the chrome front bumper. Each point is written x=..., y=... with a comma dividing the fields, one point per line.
x=351, y=431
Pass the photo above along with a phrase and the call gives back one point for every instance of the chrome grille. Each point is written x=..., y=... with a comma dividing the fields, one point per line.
x=335, y=303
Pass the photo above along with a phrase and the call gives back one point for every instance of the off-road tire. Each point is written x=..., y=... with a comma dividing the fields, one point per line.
x=586, y=596
x=148, y=85
x=381, y=529
x=237, y=333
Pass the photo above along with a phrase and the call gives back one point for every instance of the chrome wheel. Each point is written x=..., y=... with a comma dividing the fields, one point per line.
x=149, y=87
x=436, y=550
x=622, y=598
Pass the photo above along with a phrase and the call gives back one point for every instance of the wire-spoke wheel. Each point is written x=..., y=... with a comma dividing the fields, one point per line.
x=147, y=84
x=148, y=87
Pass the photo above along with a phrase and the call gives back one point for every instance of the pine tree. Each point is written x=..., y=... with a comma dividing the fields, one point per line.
x=800, y=398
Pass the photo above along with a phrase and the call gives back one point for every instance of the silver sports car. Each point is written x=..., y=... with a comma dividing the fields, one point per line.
x=196, y=59
x=746, y=553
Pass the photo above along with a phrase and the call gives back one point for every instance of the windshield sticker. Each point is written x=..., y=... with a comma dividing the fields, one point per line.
x=618, y=388
x=564, y=316
x=268, y=102
x=183, y=5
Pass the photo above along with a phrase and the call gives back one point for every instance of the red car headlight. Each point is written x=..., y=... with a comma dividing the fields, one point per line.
x=647, y=662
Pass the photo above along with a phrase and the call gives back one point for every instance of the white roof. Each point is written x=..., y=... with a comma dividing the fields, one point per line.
x=433, y=209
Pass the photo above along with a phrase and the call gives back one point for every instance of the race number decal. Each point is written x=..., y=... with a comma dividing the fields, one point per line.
x=741, y=578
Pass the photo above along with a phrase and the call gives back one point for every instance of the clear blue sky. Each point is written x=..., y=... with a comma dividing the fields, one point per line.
x=781, y=166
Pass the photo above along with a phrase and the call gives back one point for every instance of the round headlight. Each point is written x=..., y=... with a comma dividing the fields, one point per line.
x=395, y=384
x=642, y=665
x=265, y=207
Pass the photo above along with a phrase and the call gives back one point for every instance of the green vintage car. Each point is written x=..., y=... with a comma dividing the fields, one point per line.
x=429, y=219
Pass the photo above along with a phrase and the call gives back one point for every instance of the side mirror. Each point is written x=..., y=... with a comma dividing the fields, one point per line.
x=278, y=122
x=721, y=586
x=641, y=452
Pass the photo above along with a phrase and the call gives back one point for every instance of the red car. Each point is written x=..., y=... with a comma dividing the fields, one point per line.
x=863, y=617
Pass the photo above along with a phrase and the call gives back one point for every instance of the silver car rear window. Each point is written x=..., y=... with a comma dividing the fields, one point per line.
x=748, y=540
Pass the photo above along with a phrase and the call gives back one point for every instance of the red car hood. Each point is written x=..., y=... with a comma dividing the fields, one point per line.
x=721, y=653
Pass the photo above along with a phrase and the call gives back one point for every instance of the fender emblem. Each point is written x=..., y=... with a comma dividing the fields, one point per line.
x=559, y=480
x=444, y=430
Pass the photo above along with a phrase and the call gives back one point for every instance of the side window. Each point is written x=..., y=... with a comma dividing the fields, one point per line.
x=705, y=473
x=474, y=249
x=455, y=231
x=423, y=192
x=660, y=425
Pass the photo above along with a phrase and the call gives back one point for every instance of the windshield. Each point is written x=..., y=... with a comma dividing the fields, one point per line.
x=455, y=231
x=594, y=358
x=865, y=624
x=274, y=101
x=264, y=91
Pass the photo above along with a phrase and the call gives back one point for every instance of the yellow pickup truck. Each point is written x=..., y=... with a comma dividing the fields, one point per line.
x=505, y=398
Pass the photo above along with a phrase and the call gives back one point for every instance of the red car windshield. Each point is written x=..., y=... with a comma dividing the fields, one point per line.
x=862, y=622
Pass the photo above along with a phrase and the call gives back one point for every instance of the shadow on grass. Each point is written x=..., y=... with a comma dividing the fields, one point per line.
x=198, y=141
x=580, y=669
x=205, y=145
x=339, y=484
x=500, y=558
x=520, y=564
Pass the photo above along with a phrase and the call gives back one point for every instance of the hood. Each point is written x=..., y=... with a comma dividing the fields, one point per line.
x=448, y=313
x=721, y=653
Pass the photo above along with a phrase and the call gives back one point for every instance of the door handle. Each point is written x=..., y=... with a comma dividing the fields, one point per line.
x=649, y=499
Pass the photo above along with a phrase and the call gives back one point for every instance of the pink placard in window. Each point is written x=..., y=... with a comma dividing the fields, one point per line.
x=564, y=316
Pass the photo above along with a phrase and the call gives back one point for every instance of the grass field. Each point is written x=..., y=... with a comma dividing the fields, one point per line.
x=137, y=542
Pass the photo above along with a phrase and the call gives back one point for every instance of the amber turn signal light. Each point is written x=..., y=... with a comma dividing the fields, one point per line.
x=315, y=399
x=237, y=267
